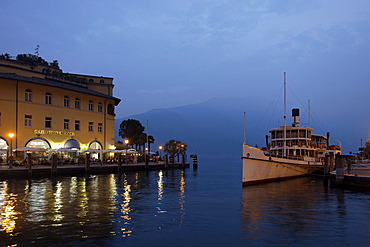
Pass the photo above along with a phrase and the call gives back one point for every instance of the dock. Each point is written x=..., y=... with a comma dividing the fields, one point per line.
x=23, y=171
x=358, y=176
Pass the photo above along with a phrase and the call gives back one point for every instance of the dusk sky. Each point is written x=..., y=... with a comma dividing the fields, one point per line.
x=165, y=53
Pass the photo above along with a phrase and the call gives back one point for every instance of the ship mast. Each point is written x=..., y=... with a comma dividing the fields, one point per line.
x=284, y=143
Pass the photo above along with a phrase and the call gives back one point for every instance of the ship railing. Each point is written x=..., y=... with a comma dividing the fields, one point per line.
x=285, y=157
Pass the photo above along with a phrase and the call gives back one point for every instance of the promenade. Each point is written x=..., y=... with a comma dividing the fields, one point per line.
x=73, y=170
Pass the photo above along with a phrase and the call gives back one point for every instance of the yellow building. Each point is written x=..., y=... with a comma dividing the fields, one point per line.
x=47, y=109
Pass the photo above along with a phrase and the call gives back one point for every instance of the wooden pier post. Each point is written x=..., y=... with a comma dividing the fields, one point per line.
x=146, y=162
x=183, y=161
x=166, y=161
x=326, y=164
x=29, y=163
x=54, y=160
x=87, y=163
x=331, y=162
x=340, y=162
x=119, y=165
x=195, y=161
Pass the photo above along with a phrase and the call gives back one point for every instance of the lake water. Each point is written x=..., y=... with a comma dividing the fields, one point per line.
x=203, y=207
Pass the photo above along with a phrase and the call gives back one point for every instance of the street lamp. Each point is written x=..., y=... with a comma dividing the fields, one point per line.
x=160, y=149
x=126, y=141
x=11, y=135
x=340, y=144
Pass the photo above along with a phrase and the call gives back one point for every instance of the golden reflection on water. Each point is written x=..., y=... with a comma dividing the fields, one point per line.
x=125, y=208
x=160, y=192
x=82, y=199
x=8, y=214
x=182, y=197
x=58, y=203
x=87, y=206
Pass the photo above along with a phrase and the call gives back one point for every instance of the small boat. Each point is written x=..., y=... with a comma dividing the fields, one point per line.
x=291, y=151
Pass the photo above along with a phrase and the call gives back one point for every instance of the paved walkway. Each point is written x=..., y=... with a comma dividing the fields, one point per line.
x=65, y=170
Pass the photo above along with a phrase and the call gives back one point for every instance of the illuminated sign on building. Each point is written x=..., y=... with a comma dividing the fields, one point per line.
x=54, y=132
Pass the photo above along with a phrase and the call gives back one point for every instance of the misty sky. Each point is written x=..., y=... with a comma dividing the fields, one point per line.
x=171, y=53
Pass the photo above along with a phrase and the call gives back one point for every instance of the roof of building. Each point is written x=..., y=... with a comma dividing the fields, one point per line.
x=57, y=84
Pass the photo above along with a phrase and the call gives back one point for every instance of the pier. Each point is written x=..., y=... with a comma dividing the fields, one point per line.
x=350, y=175
x=82, y=169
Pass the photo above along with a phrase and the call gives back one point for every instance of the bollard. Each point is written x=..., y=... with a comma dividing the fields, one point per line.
x=340, y=162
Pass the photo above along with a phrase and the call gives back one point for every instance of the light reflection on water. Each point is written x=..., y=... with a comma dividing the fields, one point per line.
x=304, y=212
x=204, y=207
x=97, y=207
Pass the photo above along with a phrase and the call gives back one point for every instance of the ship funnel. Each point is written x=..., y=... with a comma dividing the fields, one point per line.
x=296, y=119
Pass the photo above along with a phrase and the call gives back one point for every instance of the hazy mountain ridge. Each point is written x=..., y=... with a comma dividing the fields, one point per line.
x=205, y=127
x=215, y=127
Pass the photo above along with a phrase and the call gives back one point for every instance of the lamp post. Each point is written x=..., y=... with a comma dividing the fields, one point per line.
x=11, y=135
x=160, y=152
x=126, y=141
x=340, y=144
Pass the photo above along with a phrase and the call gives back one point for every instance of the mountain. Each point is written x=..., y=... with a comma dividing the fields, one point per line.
x=215, y=127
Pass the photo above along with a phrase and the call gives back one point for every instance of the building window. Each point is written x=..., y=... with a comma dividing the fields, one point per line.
x=48, y=122
x=110, y=109
x=66, y=124
x=91, y=127
x=100, y=127
x=77, y=103
x=48, y=98
x=77, y=125
x=101, y=81
x=100, y=107
x=28, y=120
x=91, y=80
x=66, y=101
x=28, y=95
x=91, y=105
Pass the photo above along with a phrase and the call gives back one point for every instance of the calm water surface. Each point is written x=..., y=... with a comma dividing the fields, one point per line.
x=203, y=207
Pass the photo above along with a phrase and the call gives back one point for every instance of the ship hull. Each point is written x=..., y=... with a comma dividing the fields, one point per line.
x=259, y=168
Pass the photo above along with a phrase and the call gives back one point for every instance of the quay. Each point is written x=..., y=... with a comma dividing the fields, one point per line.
x=73, y=170
x=357, y=176
x=350, y=175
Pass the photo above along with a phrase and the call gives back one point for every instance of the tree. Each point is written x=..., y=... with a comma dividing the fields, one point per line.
x=175, y=148
x=132, y=130
x=5, y=56
x=367, y=149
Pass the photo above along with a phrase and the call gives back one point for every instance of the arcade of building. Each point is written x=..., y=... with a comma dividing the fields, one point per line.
x=42, y=107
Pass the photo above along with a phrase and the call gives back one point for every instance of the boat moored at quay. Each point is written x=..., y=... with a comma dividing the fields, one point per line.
x=291, y=151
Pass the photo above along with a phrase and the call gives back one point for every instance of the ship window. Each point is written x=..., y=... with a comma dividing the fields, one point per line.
x=279, y=134
x=294, y=134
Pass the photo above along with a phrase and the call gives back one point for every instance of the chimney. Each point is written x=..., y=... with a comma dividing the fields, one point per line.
x=296, y=119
